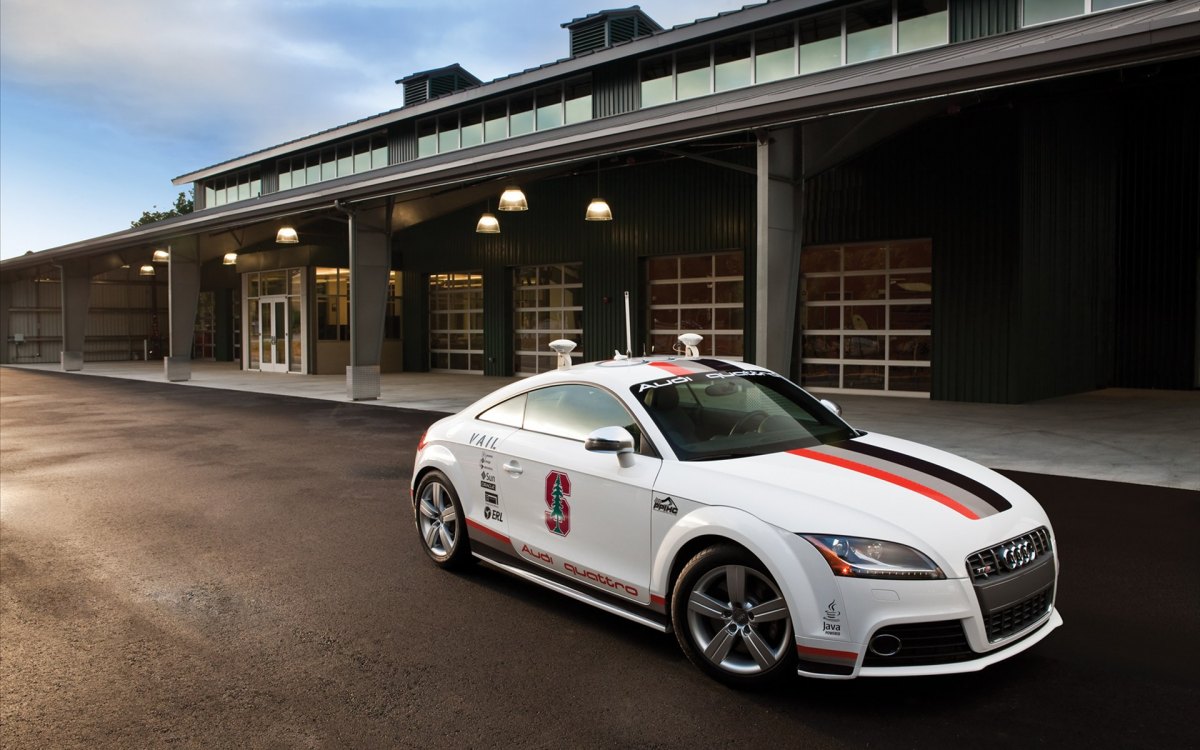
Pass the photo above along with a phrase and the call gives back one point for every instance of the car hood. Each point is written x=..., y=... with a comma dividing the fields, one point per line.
x=872, y=486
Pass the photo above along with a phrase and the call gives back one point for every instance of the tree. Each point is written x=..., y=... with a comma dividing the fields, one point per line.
x=184, y=204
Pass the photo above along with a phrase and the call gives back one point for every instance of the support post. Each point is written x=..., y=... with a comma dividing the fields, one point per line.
x=777, y=269
x=76, y=292
x=6, y=295
x=370, y=263
x=183, y=295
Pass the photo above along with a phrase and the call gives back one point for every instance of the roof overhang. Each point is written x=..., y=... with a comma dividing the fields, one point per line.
x=1139, y=35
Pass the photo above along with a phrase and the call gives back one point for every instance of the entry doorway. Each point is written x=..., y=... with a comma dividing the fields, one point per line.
x=272, y=337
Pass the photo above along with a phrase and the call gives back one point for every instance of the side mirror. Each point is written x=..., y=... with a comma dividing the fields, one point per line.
x=612, y=440
x=831, y=406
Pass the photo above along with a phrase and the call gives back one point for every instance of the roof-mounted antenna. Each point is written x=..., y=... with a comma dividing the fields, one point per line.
x=691, y=344
x=563, y=348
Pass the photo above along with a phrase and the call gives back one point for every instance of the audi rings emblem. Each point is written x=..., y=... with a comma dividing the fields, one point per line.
x=1017, y=554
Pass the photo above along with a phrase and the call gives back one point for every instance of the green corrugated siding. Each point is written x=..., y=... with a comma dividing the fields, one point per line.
x=972, y=19
x=909, y=188
x=1065, y=234
x=667, y=208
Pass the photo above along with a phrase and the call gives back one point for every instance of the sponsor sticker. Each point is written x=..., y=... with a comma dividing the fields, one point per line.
x=665, y=505
x=558, y=508
x=831, y=624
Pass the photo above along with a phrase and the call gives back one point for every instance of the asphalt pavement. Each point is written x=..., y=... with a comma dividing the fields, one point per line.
x=202, y=568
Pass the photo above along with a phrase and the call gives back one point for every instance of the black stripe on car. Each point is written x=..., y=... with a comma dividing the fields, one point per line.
x=982, y=491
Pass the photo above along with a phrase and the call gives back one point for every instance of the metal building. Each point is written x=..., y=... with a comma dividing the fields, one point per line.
x=979, y=200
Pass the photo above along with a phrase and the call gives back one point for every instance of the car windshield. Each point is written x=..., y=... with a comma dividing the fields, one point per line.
x=716, y=415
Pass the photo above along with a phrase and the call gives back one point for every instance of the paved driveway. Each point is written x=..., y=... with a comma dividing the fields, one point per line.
x=202, y=568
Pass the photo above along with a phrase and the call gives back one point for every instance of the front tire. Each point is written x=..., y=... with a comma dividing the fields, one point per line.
x=731, y=620
x=441, y=523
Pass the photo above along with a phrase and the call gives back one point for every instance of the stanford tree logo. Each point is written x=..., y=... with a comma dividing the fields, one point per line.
x=558, y=515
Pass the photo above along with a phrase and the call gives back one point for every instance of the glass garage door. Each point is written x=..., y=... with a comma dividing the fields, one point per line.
x=456, y=322
x=704, y=294
x=548, y=304
x=866, y=317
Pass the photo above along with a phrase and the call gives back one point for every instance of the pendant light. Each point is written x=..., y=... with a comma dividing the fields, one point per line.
x=146, y=270
x=512, y=199
x=598, y=209
x=230, y=259
x=487, y=224
x=287, y=236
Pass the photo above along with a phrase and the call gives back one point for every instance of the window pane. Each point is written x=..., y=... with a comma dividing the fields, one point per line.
x=692, y=73
x=472, y=127
x=495, y=118
x=298, y=175
x=426, y=138
x=243, y=190
x=1098, y=5
x=210, y=195
x=379, y=152
x=549, y=108
x=910, y=379
x=520, y=118
x=868, y=31
x=820, y=43
x=773, y=54
x=447, y=133
x=923, y=23
x=1040, y=11
x=328, y=165
x=312, y=173
x=657, y=84
x=579, y=101
x=345, y=159
x=362, y=155
x=732, y=64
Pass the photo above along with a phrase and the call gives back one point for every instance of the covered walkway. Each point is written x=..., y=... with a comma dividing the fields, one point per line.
x=1124, y=435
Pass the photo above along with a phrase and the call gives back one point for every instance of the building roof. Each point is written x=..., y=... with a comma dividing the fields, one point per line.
x=1135, y=35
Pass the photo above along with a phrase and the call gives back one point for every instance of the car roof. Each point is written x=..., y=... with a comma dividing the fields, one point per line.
x=618, y=374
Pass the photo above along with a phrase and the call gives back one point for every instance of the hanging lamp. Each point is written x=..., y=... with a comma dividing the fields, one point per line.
x=598, y=209
x=512, y=199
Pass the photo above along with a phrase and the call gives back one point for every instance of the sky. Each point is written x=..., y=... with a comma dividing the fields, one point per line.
x=102, y=104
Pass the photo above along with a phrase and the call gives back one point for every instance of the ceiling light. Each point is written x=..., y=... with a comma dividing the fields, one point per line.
x=287, y=236
x=487, y=224
x=512, y=199
x=598, y=210
x=162, y=256
x=230, y=259
x=146, y=270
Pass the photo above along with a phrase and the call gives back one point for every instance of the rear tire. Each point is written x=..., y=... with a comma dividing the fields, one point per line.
x=441, y=523
x=731, y=620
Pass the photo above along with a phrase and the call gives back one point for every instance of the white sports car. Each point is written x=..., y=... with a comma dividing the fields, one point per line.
x=719, y=500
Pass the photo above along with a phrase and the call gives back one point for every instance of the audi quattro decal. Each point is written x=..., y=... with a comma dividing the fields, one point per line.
x=959, y=493
x=580, y=572
x=558, y=508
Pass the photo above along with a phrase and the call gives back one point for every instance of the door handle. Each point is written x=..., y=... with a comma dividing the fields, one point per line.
x=513, y=468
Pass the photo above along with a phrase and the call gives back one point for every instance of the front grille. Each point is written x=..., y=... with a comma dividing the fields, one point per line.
x=1015, y=618
x=922, y=643
x=986, y=564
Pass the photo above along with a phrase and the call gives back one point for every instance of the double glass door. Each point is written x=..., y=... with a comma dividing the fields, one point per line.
x=273, y=337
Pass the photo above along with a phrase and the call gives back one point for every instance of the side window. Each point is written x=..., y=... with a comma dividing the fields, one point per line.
x=573, y=411
x=509, y=413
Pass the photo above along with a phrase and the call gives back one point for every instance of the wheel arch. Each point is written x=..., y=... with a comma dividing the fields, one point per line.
x=774, y=549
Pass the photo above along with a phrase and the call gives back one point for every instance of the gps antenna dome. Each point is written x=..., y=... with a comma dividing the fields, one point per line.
x=563, y=348
x=691, y=342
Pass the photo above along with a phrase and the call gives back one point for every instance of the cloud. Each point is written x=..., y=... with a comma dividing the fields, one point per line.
x=246, y=74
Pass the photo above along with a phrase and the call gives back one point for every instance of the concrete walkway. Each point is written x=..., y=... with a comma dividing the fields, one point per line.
x=1123, y=435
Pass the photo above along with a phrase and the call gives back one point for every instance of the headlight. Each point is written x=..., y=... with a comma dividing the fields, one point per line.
x=854, y=557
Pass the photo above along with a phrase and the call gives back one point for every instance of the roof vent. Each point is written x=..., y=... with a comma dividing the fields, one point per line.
x=608, y=27
x=430, y=84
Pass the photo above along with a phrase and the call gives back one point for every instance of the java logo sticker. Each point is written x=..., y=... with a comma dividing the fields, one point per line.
x=558, y=515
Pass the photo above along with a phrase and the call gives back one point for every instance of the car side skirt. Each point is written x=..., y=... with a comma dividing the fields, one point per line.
x=612, y=605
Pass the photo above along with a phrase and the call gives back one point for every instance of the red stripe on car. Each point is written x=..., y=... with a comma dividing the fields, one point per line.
x=887, y=476
x=826, y=653
x=490, y=532
x=656, y=599
x=672, y=368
